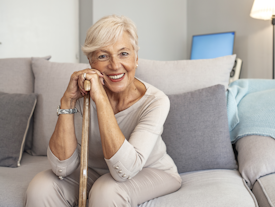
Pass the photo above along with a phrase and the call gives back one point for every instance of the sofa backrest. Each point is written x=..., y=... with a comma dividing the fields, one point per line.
x=49, y=81
x=17, y=77
x=173, y=77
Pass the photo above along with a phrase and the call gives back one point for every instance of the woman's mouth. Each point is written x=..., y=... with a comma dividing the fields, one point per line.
x=116, y=77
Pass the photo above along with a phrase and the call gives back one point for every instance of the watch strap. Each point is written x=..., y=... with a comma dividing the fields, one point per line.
x=66, y=111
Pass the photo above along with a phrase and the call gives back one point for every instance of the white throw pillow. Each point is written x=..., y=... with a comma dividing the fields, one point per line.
x=173, y=77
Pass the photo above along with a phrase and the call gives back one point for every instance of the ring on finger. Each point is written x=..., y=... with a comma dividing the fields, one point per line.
x=84, y=76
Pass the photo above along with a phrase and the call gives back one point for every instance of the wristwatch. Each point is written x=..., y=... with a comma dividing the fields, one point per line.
x=66, y=111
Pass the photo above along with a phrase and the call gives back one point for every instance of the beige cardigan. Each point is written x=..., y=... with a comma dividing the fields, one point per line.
x=142, y=126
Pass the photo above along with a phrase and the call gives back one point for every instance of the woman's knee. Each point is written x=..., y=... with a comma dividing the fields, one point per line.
x=106, y=192
x=40, y=188
x=46, y=189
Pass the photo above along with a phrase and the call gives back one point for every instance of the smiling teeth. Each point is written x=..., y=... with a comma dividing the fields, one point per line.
x=116, y=76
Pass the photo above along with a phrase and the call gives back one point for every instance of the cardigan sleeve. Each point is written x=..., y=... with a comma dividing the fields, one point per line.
x=63, y=168
x=133, y=154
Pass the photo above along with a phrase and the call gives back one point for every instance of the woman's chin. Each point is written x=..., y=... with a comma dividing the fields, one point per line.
x=116, y=88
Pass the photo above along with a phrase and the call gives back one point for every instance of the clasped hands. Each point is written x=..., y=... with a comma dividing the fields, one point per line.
x=75, y=89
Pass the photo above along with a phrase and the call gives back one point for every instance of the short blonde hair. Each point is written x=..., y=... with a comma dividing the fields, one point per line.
x=106, y=31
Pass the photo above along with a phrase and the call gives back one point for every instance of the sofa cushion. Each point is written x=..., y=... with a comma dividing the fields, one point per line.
x=256, y=157
x=181, y=76
x=15, y=115
x=19, y=70
x=196, y=130
x=51, y=81
x=264, y=191
x=215, y=188
x=14, y=181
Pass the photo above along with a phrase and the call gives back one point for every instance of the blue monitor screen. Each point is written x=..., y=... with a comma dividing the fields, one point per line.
x=212, y=45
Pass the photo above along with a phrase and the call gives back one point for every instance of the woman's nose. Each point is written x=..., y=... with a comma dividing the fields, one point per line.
x=115, y=63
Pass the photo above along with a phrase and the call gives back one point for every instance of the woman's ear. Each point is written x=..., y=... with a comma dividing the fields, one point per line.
x=90, y=62
x=137, y=61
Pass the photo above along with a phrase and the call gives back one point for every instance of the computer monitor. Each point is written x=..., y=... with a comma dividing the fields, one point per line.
x=208, y=46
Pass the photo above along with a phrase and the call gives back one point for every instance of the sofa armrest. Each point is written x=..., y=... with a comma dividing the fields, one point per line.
x=256, y=157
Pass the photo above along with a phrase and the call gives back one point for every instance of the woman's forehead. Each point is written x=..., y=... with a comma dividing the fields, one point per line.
x=123, y=41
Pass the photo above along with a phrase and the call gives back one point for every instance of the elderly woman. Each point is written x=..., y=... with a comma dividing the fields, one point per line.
x=128, y=163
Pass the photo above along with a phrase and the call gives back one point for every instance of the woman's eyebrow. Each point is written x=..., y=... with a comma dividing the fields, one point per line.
x=124, y=48
x=104, y=51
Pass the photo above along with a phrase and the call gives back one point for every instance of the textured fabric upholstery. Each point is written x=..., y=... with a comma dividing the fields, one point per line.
x=196, y=131
x=51, y=81
x=14, y=181
x=264, y=191
x=215, y=188
x=19, y=70
x=181, y=76
x=256, y=157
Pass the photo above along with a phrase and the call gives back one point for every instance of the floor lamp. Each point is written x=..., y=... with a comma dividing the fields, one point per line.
x=265, y=9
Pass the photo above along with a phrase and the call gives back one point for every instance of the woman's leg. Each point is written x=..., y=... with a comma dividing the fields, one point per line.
x=146, y=185
x=47, y=190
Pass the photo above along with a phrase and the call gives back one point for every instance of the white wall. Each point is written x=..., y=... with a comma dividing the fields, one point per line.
x=253, y=43
x=39, y=28
x=161, y=25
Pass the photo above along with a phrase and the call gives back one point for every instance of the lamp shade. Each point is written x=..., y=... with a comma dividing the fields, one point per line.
x=263, y=9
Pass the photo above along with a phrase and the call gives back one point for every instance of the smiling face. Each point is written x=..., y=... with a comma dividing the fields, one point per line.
x=118, y=64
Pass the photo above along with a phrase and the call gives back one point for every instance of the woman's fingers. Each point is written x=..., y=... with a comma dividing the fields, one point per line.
x=102, y=80
x=80, y=81
x=88, y=74
x=101, y=76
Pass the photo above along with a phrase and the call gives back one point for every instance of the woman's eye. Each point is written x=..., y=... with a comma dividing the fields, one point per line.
x=103, y=57
x=124, y=53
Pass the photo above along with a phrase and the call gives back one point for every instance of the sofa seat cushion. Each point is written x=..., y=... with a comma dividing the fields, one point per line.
x=264, y=191
x=215, y=188
x=14, y=181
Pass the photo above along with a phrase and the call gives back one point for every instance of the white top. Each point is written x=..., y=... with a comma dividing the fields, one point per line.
x=142, y=126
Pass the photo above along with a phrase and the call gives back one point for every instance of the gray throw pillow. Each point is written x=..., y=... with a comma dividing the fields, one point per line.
x=196, y=130
x=15, y=115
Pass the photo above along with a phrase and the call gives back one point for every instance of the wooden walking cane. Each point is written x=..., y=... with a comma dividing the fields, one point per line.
x=84, y=147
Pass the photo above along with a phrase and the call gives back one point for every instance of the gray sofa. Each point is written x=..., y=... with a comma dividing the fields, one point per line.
x=196, y=132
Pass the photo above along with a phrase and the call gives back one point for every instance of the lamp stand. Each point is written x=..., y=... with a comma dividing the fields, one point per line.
x=273, y=23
